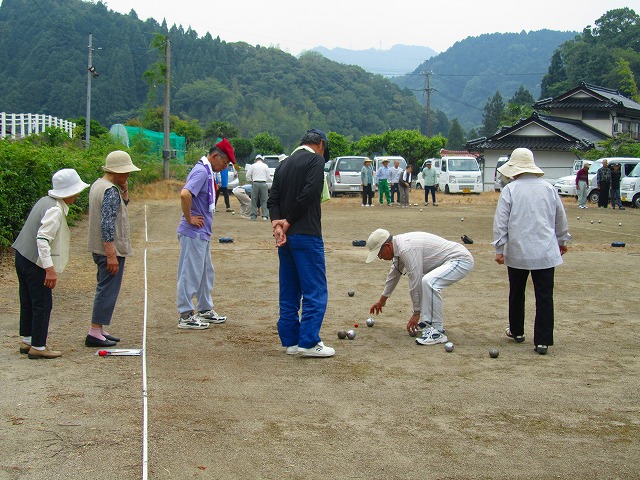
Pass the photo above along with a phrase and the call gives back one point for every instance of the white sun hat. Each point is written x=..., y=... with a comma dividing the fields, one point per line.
x=66, y=183
x=375, y=242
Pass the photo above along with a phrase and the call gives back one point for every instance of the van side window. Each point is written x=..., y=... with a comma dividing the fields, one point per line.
x=444, y=166
x=627, y=169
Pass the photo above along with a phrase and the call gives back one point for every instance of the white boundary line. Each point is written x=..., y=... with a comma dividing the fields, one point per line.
x=145, y=416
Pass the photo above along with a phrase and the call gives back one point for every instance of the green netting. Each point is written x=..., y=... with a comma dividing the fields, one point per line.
x=155, y=140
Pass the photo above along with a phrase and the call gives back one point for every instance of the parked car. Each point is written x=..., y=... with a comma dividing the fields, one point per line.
x=498, y=182
x=344, y=175
x=233, y=177
x=567, y=185
x=630, y=187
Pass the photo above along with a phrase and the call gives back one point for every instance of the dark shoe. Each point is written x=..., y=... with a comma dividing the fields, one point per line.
x=46, y=353
x=92, y=341
x=24, y=348
x=517, y=338
x=620, y=208
x=111, y=337
x=541, y=349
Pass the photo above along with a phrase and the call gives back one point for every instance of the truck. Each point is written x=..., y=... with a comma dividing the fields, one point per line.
x=630, y=187
x=458, y=172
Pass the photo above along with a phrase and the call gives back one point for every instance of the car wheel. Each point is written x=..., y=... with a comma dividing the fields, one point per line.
x=594, y=196
x=418, y=186
x=636, y=201
x=446, y=189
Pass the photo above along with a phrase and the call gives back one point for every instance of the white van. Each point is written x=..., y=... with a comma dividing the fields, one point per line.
x=630, y=187
x=456, y=174
x=567, y=185
x=377, y=163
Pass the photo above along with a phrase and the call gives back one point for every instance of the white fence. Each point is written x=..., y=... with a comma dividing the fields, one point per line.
x=19, y=125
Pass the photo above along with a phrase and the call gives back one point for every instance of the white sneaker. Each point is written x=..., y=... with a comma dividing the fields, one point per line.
x=431, y=336
x=292, y=350
x=192, y=322
x=212, y=317
x=318, y=351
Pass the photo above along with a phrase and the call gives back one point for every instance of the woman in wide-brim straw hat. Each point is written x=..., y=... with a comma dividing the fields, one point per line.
x=109, y=241
x=42, y=250
x=530, y=229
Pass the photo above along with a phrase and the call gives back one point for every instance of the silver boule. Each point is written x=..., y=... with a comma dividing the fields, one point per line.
x=370, y=322
x=351, y=334
x=448, y=346
x=494, y=352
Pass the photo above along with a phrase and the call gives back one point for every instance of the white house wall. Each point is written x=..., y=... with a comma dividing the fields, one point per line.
x=553, y=164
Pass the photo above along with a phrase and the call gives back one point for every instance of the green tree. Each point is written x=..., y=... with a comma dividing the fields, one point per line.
x=455, y=137
x=623, y=77
x=242, y=148
x=492, y=115
x=338, y=145
x=266, y=144
x=219, y=129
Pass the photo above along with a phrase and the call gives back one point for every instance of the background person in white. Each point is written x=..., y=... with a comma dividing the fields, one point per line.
x=530, y=229
x=395, y=173
x=258, y=175
x=430, y=263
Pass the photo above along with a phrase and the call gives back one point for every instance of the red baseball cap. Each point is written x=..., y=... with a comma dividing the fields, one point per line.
x=225, y=147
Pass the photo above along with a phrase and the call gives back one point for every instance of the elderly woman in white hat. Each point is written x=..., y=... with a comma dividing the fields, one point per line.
x=530, y=229
x=42, y=250
x=109, y=241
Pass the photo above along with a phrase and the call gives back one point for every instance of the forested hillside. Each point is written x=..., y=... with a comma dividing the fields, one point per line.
x=465, y=76
x=43, y=69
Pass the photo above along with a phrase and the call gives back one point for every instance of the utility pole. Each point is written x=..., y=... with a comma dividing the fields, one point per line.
x=166, y=154
x=428, y=89
x=87, y=118
x=91, y=73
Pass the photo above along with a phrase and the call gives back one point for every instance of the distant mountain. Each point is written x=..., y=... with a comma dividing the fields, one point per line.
x=398, y=60
x=463, y=78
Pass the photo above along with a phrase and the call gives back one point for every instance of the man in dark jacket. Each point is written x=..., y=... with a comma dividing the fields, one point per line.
x=604, y=184
x=616, y=174
x=294, y=207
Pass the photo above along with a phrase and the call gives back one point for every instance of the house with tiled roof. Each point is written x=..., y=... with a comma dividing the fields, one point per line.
x=561, y=128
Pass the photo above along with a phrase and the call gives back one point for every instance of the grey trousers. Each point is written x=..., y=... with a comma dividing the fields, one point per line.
x=259, y=193
x=107, y=290
x=195, y=274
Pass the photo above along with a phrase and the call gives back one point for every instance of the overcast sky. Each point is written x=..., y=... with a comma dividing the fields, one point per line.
x=295, y=25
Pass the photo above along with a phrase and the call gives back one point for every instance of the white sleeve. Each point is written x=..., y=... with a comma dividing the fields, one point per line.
x=49, y=226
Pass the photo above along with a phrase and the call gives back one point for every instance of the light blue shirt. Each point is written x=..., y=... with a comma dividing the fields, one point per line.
x=429, y=176
x=530, y=224
x=383, y=173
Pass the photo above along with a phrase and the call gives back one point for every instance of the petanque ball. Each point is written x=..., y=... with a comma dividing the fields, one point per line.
x=462, y=219
x=351, y=334
x=619, y=224
x=342, y=334
x=592, y=222
x=578, y=218
x=420, y=209
x=414, y=333
x=351, y=293
x=448, y=346
x=370, y=322
x=599, y=221
x=494, y=352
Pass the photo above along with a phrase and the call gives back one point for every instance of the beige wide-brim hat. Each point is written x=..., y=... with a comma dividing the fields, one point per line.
x=66, y=183
x=375, y=242
x=119, y=162
x=521, y=161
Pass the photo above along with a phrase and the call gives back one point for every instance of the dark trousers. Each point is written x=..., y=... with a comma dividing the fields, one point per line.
x=107, y=290
x=225, y=193
x=543, y=288
x=396, y=190
x=428, y=189
x=36, y=301
x=367, y=194
x=603, y=199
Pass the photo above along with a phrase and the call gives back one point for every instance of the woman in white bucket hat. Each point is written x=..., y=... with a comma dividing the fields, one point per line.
x=109, y=242
x=530, y=229
x=42, y=250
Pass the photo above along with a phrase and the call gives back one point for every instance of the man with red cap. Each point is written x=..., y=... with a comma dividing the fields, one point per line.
x=195, y=268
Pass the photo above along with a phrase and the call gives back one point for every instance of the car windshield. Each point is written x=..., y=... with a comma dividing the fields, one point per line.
x=635, y=172
x=272, y=162
x=350, y=164
x=463, y=165
x=595, y=166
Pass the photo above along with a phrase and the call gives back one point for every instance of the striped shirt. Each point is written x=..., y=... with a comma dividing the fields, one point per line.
x=418, y=253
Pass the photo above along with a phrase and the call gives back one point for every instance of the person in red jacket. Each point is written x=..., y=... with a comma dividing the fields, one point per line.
x=582, y=184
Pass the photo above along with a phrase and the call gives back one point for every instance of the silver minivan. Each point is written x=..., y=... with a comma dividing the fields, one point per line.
x=344, y=175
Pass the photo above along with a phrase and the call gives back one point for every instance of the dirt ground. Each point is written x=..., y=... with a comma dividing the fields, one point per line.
x=227, y=403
